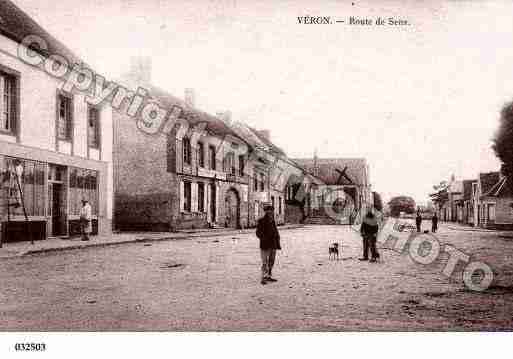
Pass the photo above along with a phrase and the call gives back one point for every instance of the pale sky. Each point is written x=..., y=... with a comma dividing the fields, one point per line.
x=420, y=102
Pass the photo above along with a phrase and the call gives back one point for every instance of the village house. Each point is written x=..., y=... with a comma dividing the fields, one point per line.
x=54, y=146
x=210, y=173
x=467, y=216
x=346, y=195
x=495, y=205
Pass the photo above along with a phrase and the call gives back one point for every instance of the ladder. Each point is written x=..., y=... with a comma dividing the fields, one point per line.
x=14, y=196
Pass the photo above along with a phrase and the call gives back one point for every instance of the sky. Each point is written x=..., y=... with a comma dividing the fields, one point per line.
x=420, y=102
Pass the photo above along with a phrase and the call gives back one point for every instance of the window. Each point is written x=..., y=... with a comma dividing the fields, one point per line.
x=212, y=157
x=8, y=102
x=201, y=154
x=201, y=197
x=255, y=183
x=229, y=163
x=31, y=182
x=491, y=212
x=262, y=183
x=93, y=127
x=187, y=196
x=241, y=165
x=83, y=183
x=279, y=205
x=186, y=150
x=272, y=201
x=64, y=120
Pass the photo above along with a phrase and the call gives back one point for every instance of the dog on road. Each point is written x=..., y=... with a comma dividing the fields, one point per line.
x=333, y=251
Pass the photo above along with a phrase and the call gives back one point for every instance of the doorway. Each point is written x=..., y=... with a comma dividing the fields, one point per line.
x=57, y=209
x=232, y=209
x=213, y=203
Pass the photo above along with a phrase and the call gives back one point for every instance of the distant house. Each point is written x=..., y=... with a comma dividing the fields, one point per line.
x=455, y=204
x=462, y=200
x=495, y=208
x=347, y=184
x=485, y=182
x=467, y=202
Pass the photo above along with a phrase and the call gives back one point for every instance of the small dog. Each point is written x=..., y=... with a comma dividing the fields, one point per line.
x=333, y=250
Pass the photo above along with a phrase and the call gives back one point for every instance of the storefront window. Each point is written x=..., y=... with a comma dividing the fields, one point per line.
x=31, y=183
x=83, y=184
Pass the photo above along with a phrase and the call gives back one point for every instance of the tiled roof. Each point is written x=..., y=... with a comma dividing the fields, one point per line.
x=194, y=116
x=248, y=134
x=488, y=181
x=507, y=188
x=266, y=141
x=16, y=25
x=503, y=188
x=356, y=169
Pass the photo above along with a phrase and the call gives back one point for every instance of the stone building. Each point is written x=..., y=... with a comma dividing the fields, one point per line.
x=288, y=187
x=195, y=175
x=55, y=148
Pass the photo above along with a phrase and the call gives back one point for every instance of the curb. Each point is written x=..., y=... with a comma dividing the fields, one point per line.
x=471, y=229
x=175, y=237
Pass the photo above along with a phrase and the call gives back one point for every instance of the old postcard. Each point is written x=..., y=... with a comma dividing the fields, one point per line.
x=254, y=166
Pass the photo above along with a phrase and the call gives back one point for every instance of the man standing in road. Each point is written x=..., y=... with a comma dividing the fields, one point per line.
x=269, y=237
x=85, y=220
x=418, y=221
x=434, y=223
x=369, y=231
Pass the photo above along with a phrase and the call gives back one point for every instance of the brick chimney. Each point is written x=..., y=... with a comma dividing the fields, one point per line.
x=190, y=97
x=140, y=69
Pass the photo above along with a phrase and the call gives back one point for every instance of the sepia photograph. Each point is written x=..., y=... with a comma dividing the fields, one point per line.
x=270, y=169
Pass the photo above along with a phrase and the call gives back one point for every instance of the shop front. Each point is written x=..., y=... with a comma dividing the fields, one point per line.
x=40, y=199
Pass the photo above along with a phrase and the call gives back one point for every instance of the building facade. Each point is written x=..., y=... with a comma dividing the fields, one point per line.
x=55, y=148
x=195, y=175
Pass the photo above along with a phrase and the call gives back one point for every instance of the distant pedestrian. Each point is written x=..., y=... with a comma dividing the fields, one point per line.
x=269, y=237
x=85, y=220
x=369, y=232
x=418, y=221
x=434, y=223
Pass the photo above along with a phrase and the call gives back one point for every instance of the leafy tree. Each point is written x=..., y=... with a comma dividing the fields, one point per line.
x=401, y=204
x=378, y=202
x=503, y=139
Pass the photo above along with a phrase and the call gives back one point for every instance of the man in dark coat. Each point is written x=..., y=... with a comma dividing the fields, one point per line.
x=269, y=237
x=369, y=232
x=434, y=223
x=418, y=221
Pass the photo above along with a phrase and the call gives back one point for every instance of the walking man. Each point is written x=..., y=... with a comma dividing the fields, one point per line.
x=418, y=221
x=85, y=220
x=434, y=223
x=269, y=237
x=369, y=232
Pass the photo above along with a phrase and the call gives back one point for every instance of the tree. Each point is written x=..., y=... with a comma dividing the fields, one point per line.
x=503, y=139
x=402, y=204
x=378, y=202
